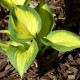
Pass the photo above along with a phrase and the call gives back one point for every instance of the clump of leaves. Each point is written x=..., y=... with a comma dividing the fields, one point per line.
x=31, y=33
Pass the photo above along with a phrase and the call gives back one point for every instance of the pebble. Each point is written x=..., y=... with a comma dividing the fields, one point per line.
x=78, y=61
x=33, y=4
x=8, y=67
x=69, y=72
x=71, y=77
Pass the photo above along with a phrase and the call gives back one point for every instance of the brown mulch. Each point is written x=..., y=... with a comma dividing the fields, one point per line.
x=67, y=65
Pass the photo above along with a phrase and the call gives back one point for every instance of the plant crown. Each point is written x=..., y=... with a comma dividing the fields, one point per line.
x=31, y=33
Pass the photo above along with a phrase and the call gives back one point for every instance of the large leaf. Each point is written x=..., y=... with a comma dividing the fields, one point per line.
x=24, y=23
x=21, y=58
x=47, y=19
x=62, y=40
x=9, y=3
x=5, y=45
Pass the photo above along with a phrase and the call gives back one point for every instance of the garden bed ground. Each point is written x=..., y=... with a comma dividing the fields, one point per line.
x=67, y=65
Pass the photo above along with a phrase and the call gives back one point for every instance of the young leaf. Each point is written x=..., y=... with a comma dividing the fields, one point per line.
x=7, y=32
x=47, y=19
x=24, y=23
x=27, y=2
x=6, y=4
x=5, y=45
x=9, y=3
x=62, y=40
x=21, y=58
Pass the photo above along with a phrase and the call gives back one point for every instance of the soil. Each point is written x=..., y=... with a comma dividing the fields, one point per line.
x=67, y=65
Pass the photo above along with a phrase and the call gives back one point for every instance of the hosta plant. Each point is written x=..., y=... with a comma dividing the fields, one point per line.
x=31, y=33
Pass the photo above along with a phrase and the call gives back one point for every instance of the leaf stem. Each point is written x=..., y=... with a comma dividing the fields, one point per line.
x=43, y=50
